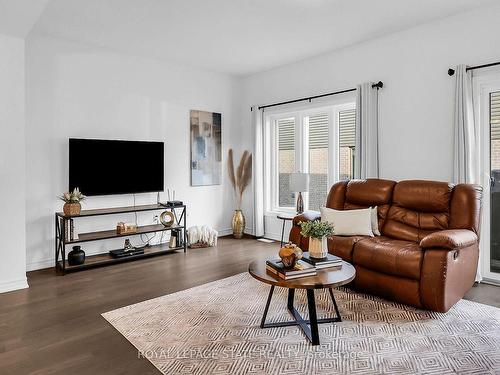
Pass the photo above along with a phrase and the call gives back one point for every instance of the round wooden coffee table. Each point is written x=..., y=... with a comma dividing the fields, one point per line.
x=325, y=279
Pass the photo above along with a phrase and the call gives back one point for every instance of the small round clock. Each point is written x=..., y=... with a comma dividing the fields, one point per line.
x=167, y=218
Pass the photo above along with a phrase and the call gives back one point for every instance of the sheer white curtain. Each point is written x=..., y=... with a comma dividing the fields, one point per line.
x=465, y=135
x=366, y=164
x=258, y=171
x=465, y=147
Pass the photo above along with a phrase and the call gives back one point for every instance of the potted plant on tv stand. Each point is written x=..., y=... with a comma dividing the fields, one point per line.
x=318, y=232
x=72, y=199
x=240, y=179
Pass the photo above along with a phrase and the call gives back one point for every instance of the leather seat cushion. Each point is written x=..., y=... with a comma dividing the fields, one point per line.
x=343, y=246
x=389, y=256
x=391, y=287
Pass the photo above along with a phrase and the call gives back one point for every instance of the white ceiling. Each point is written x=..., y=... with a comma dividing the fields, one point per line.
x=238, y=37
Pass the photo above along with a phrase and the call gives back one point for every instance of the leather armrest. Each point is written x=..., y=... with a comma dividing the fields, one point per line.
x=306, y=216
x=449, y=239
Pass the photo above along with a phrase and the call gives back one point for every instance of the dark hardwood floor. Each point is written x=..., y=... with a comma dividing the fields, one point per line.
x=55, y=326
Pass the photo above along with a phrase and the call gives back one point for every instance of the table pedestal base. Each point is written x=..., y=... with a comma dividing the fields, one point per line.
x=309, y=327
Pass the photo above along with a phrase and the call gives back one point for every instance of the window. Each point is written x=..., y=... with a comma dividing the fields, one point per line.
x=347, y=130
x=286, y=159
x=318, y=159
x=318, y=141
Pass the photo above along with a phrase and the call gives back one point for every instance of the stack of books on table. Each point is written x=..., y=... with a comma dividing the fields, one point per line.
x=301, y=269
x=329, y=261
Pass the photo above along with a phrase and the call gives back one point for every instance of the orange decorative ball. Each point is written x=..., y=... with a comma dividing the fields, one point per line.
x=290, y=254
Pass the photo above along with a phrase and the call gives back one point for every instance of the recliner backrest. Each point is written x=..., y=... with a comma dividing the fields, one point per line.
x=418, y=208
x=411, y=209
x=353, y=194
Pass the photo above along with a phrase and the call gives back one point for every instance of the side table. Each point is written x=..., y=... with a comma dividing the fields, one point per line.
x=285, y=218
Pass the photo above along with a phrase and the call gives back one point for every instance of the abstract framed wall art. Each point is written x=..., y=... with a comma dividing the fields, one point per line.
x=206, y=148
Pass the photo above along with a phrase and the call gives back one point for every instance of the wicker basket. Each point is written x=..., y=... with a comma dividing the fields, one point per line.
x=72, y=209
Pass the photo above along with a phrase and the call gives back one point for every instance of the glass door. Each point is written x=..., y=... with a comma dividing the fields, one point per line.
x=492, y=264
x=487, y=113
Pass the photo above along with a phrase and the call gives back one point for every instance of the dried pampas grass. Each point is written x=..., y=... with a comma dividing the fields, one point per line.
x=241, y=179
x=230, y=168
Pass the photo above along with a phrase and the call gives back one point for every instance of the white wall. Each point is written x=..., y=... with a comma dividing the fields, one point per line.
x=75, y=90
x=12, y=165
x=416, y=103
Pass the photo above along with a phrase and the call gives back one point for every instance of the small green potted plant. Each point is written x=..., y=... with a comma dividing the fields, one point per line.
x=72, y=199
x=318, y=232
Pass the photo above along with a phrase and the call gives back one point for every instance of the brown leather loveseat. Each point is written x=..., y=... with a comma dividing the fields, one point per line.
x=428, y=251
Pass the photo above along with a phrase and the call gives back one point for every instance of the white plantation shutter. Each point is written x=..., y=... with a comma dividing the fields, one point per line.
x=318, y=141
x=347, y=128
x=495, y=116
x=286, y=160
x=318, y=131
x=286, y=134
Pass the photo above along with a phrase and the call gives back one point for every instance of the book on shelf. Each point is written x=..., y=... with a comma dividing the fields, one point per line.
x=329, y=261
x=70, y=234
x=301, y=269
x=66, y=232
x=71, y=230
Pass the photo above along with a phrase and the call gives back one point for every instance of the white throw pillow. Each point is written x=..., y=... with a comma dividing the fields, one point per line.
x=349, y=222
x=375, y=229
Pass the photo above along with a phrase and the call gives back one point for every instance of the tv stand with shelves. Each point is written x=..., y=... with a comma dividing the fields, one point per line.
x=91, y=261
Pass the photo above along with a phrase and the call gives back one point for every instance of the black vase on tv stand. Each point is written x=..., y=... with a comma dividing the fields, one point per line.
x=76, y=256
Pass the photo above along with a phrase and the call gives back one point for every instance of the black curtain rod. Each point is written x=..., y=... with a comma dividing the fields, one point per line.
x=452, y=71
x=377, y=85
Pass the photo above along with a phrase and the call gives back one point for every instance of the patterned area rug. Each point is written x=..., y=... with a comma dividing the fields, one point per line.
x=214, y=329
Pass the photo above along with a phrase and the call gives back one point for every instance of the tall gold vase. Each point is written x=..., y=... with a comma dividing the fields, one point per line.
x=238, y=224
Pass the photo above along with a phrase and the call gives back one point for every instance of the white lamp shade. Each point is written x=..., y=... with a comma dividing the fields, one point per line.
x=299, y=182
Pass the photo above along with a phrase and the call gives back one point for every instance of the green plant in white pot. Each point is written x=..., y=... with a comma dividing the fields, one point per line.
x=318, y=232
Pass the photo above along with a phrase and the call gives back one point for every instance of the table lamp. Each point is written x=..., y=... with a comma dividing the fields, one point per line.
x=299, y=182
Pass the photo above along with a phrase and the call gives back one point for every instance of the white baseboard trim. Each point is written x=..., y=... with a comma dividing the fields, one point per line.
x=490, y=281
x=225, y=232
x=40, y=265
x=274, y=236
x=229, y=231
x=9, y=286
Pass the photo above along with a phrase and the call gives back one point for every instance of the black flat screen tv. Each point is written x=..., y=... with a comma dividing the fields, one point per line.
x=105, y=167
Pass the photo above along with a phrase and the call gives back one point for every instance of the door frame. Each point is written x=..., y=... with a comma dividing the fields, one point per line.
x=484, y=83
